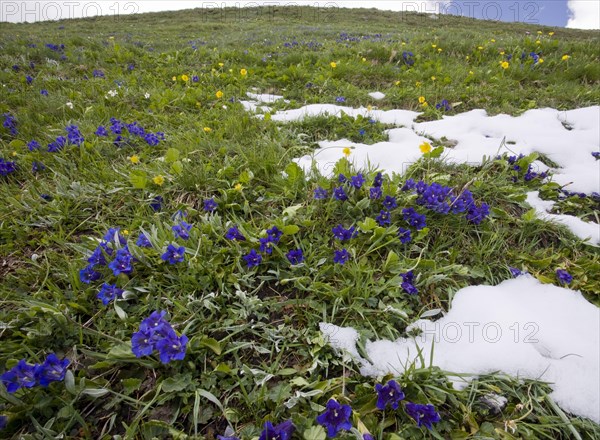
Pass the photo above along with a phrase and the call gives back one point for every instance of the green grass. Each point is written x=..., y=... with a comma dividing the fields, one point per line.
x=254, y=335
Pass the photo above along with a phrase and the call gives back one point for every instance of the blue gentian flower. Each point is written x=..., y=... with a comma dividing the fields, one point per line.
x=74, y=135
x=404, y=235
x=253, y=258
x=59, y=142
x=52, y=370
x=444, y=105
x=515, y=272
x=477, y=214
x=143, y=241
x=108, y=293
x=21, y=375
x=384, y=218
x=340, y=99
x=156, y=203
x=283, y=431
x=335, y=418
x=378, y=181
x=29, y=79
x=152, y=139
x=7, y=167
x=408, y=185
x=44, y=92
x=389, y=394
x=33, y=145
x=361, y=132
x=342, y=178
x=596, y=154
x=97, y=258
x=101, y=131
x=182, y=230
x=113, y=235
x=266, y=245
x=320, y=193
x=234, y=234
x=274, y=234
x=210, y=205
x=390, y=203
x=173, y=254
x=122, y=263
x=88, y=274
x=424, y=415
x=3, y=422
x=172, y=348
x=341, y=257
x=375, y=192
x=36, y=167
x=407, y=283
x=342, y=234
x=357, y=181
x=195, y=78
x=98, y=73
x=563, y=276
x=340, y=194
x=414, y=219
x=10, y=123
x=295, y=256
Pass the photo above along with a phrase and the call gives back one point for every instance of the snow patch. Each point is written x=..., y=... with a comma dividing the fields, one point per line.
x=520, y=327
x=583, y=230
x=377, y=95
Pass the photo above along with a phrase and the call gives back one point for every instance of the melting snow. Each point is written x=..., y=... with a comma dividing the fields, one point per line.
x=377, y=95
x=520, y=327
x=580, y=228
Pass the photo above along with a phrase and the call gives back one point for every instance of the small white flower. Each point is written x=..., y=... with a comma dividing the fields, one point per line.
x=225, y=107
x=69, y=104
x=147, y=95
x=112, y=93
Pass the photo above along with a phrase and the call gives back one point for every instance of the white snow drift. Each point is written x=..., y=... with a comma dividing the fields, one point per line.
x=521, y=328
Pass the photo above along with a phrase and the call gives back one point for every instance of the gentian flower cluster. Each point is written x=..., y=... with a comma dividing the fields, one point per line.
x=134, y=129
x=173, y=254
x=441, y=199
x=272, y=238
x=24, y=375
x=210, y=205
x=444, y=105
x=563, y=276
x=234, y=233
x=408, y=58
x=98, y=73
x=342, y=234
x=7, y=167
x=182, y=230
x=10, y=123
x=122, y=263
x=108, y=293
x=391, y=394
x=156, y=334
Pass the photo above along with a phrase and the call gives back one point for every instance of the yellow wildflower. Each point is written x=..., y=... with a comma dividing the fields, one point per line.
x=504, y=64
x=134, y=159
x=207, y=129
x=221, y=64
x=480, y=47
x=425, y=147
x=346, y=151
x=538, y=42
x=541, y=60
x=397, y=83
x=539, y=32
x=238, y=187
x=421, y=99
x=125, y=232
x=243, y=72
x=565, y=57
x=550, y=33
x=14, y=153
x=502, y=52
x=434, y=45
x=471, y=72
x=174, y=78
x=493, y=40
x=185, y=78
x=439, y=49
x=219, y=94
x=433, y=78
x=333, y=64
x=159, y=180
x=425, y=104
x=418, y=84
x=364, y=59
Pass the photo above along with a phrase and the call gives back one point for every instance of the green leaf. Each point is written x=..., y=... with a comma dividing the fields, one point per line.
x=368, y=225
x=16, y=143
x=70, y=382
x=246, y=176
x=290, y=229
x=529, y=215
x=179, y=382
x=291, y=211
x=391, y=260
x=139, y=179
x=95, y=392
x=315, y=433
x=211, y=343
x=171, y=155
x=294, y=172
x=177, y=167
x=436, y=152
x=130, y=385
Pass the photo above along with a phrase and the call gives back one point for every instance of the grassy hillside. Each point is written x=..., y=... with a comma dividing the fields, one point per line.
x=166, y=89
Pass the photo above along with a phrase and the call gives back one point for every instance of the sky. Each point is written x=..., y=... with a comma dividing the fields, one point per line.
x=582, y=14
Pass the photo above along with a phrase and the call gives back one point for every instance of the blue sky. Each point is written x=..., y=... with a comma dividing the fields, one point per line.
x=584, y=14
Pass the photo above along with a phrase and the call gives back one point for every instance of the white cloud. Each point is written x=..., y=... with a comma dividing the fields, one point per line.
x=584, y=14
